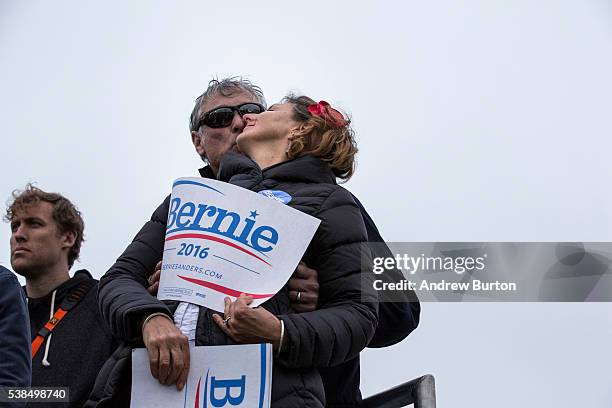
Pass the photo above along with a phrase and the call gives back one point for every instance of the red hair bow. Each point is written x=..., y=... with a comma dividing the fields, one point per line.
x=324, y=110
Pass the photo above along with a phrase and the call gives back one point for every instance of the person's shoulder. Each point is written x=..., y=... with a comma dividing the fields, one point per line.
x=160, y=215
x=83, y=280
x=10, y=289
x=88, y=308
x=4, y=271
x=7, y=276
x=340, y=216
x=85, y=276
x=338, y=196
x=90, y=299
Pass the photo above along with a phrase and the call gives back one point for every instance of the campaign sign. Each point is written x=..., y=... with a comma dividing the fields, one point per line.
x=219, y=376
x=223, y=240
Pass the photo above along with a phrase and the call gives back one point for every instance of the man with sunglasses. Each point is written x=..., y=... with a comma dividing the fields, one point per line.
x=167, y=327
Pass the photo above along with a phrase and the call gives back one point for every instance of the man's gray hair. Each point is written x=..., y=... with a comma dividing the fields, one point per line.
x=225, y=87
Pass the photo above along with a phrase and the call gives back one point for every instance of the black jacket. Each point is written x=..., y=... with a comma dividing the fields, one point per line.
x=336, y=333
x=78, y=347
x=15, y=365
x=398, y=316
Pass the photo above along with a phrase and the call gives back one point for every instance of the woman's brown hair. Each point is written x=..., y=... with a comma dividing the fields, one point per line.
x=323, y=137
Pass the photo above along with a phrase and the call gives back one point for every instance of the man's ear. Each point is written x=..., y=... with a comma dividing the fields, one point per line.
x=69, y=238
x=198, y=142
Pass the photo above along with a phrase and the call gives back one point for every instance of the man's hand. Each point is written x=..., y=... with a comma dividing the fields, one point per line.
x=246, y=325
x=154, y=279
x=168, y=351
x=304, y=289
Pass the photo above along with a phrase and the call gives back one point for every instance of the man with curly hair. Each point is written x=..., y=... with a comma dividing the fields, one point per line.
x=70, y=343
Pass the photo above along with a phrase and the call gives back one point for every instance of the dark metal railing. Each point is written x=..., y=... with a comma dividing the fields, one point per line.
x=421, y=392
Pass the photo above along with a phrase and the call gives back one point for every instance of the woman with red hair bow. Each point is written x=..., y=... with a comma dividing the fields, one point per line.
x=301, y=147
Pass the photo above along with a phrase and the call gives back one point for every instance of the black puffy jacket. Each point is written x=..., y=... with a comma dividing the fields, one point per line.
x=347, y=316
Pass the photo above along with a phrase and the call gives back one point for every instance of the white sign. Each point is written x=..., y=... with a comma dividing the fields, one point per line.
x=223, y=240
x=219, y=376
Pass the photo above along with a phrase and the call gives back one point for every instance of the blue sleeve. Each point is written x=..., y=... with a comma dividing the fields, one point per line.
x=16, y=363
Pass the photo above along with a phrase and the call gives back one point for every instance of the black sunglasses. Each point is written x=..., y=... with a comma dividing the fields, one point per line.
x=224, y=115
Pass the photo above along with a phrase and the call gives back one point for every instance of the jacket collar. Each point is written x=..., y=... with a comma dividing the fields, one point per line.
x=79, y=276
x=207, y=172
x=305, y=169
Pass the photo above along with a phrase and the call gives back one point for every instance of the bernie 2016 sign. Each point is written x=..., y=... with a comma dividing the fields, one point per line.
x=223, y=240
x=237, y=376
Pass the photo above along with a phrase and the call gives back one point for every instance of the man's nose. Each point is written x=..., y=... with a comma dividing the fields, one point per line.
x=238, y=123
x=19, y=234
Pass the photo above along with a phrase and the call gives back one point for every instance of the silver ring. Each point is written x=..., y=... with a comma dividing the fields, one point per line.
x=226, y=320
x=298, y=297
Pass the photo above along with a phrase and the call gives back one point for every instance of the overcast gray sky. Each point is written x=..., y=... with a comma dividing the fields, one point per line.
x=477, y=120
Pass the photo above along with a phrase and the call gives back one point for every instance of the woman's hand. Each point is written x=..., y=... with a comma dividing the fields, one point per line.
x=248, y=325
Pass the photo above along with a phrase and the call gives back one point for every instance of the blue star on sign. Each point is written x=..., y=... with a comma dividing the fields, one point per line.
x=253, y=214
